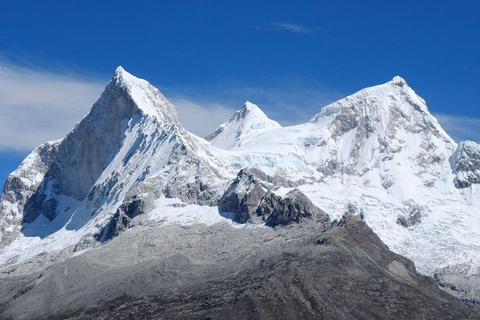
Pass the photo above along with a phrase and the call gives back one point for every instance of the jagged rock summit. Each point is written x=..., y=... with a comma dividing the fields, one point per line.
x=129, y=164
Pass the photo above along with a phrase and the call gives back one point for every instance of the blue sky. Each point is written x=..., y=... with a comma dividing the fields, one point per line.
x=209, y=57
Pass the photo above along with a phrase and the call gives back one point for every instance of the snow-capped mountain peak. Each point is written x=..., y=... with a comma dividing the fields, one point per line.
x=245, y=124
x=254, y=119
x=148, y=99
x=253, y=110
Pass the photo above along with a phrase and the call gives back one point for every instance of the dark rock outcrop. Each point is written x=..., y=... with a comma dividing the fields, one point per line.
x=294, y=207
x=138, y=201
x=466, y=164
x=242, y=197
x=412, y=218
x=247, y=199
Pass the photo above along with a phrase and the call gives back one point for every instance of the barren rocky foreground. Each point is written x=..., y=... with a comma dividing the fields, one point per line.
x=309, y=270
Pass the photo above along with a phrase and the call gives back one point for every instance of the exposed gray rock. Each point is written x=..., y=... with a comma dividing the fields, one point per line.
x=462, y=282
x=294, y=207
x=268, y=205
x=466, y=164
x=118, y=223
x=412, y=218
x=38, y=203
x=247, y=199
x=122, y=218
x=139, y=200
x=214, y=134
x=243, y=197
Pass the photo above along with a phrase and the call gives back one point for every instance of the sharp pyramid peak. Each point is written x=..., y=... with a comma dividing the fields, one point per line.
x=250, y=120
x=147, y=98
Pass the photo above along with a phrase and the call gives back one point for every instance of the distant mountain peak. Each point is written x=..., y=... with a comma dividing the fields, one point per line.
x=253, y=111
x=245, y=124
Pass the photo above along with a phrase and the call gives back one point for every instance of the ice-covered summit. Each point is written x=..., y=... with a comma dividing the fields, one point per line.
x=148, y=99
x=395, y=95
x=245, y=124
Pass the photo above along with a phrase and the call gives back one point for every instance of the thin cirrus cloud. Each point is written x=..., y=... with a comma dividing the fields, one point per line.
x=460, y=128
x=38, y=106
x=291, y=27
x=200, y=117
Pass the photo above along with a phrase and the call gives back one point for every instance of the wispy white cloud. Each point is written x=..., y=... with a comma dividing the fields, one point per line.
x=37, y=105
x=460, y=127
x=287, y=99
x=291, y=27
x=200, y=117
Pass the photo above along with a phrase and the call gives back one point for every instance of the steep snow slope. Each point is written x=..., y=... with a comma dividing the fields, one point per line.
x=244, y=125
x=129, y=150
x=378, y=153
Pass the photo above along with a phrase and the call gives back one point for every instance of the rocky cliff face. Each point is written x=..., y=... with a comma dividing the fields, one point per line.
x=466, y=164
x=294, y=207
